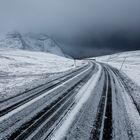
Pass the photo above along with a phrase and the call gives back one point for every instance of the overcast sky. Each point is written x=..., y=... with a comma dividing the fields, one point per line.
x=82, y=27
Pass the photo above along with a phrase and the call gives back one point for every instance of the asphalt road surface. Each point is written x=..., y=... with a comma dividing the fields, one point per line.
x=90, y=103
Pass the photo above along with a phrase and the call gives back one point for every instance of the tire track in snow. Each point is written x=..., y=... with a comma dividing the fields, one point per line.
x=52, y=110
x=85, y=93
x=16, y=101
x=102, y=128
x=49, y=115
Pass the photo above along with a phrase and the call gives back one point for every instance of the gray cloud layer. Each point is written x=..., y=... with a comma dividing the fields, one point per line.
x=86, y=27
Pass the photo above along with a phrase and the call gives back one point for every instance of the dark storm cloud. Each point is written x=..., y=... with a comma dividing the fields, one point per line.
x=91, y=45
x=83, y=27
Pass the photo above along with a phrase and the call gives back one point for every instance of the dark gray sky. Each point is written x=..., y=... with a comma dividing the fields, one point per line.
x=82, y=27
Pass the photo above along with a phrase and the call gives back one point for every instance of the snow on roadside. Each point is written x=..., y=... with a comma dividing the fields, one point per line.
x=133, y=114
x=131, y=65
x=130, y=73
x=23, y=70
x=81, y=99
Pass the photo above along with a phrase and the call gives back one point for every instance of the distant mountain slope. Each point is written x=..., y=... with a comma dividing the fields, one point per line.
x=30, y=41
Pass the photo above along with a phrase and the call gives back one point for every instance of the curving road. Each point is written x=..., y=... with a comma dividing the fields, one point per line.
x=89, y=103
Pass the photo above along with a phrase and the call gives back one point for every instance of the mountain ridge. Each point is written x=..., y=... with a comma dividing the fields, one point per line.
x=31, y=42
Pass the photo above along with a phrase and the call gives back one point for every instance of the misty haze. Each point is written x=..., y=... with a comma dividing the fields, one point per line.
x=69, y=70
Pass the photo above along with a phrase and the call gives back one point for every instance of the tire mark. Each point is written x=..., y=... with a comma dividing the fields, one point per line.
x=102, y=128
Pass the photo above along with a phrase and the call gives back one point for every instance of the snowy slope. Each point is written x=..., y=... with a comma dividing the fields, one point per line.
x=131, y=64
x=30, y=41
x=21, y=70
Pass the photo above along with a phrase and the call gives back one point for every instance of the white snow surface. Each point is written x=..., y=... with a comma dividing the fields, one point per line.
x=21, y=70
x=131, y=65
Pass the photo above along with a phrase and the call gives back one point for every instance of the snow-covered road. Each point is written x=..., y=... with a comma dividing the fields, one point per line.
x=110, y=112
x=90, y=103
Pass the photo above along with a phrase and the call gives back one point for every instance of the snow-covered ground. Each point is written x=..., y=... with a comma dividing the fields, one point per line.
x=131, y=65
x=22, y=70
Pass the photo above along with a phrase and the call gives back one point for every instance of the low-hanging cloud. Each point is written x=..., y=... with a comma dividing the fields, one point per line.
x=95, y=25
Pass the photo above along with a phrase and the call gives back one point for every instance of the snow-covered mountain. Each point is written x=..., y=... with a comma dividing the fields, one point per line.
x=30, y=41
